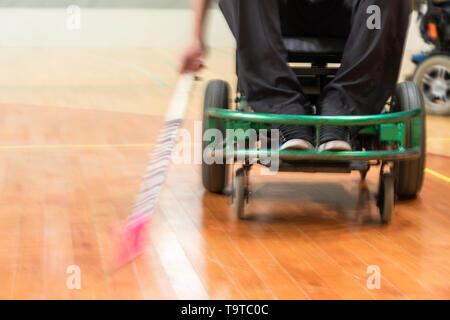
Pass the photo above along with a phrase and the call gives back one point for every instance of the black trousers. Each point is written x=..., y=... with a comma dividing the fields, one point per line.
x=369, y=68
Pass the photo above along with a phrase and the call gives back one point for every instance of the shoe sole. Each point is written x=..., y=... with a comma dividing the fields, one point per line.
x=297, y=144
x=336, y=145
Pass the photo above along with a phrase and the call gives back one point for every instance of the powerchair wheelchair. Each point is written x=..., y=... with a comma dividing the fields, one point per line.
x=393, y=140
x=432, y=74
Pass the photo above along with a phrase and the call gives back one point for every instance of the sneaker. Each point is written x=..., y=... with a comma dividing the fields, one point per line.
x=297, y=144
x=296, y=137
x=335, y=139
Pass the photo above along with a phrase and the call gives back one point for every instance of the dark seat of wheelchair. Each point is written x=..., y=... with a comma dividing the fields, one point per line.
x=319, y=52
x=314, y=50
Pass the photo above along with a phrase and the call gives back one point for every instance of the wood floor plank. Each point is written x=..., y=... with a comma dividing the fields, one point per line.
x=58, y=247
x=185, y=281
x=208, y=266
x=246, y=278
x=122, y=283
x=28, y=280
x=217, y=217
x=10, y=210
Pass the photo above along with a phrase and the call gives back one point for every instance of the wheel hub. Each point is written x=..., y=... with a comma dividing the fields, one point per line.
x=439, y=88
x=436, y=85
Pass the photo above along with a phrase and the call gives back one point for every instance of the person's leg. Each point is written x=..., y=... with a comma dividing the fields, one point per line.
x=371, y=62
x=265, y=79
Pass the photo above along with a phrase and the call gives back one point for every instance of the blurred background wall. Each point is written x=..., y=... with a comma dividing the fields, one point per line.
x=97, y=3
x=115, y=23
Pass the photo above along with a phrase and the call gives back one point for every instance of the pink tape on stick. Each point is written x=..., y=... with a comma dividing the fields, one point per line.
x=130, y=240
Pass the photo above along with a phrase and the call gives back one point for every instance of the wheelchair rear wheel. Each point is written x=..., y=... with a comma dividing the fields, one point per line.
x=409, y=174
x=216, y=96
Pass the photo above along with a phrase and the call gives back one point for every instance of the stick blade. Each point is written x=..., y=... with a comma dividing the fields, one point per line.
x=130, y=239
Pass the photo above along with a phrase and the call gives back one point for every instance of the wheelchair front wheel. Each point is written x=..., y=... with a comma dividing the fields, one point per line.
x=386, y=197
x=239, y=193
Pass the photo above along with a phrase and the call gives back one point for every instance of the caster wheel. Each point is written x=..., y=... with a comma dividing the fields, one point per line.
x=239, y=194
x=386, y=196
x=363, y=174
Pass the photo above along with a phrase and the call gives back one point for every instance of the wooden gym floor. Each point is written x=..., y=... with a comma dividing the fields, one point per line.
x=76, y=130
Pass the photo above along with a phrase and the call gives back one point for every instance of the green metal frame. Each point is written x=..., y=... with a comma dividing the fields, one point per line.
x=390, y=128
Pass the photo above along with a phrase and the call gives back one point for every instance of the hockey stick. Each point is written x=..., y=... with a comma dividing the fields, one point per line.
x=130, y=239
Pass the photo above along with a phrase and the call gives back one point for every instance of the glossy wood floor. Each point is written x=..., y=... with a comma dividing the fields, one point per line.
x=76, y=129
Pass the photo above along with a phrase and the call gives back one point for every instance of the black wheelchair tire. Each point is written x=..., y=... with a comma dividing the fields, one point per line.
x=409, y=174
x=386, y=197
x=442, y=61
x=216, y=96
x=239, y=194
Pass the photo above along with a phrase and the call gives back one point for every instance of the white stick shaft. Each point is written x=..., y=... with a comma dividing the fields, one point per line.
x=180, y=98
x=160, y=159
